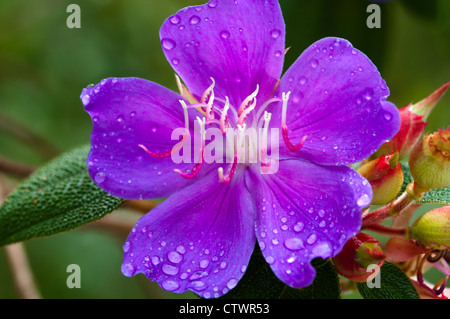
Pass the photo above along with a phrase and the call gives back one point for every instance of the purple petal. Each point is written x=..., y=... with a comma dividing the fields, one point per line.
x=306, y=211
x=338, y=99
x=200, y=238
x=238, y=43
x=127, y=112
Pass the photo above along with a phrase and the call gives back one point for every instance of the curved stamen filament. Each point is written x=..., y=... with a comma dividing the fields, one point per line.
x=177, y=146
x=284, y=128
x=246, y=112
x=247, y=101
x=198, y=165
x=265, y=166
x=226, y=179
x=224, y=117
x=262, y=109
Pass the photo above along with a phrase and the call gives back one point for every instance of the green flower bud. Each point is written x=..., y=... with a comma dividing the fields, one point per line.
x=430, y=161
x=433, y=228
x=385, y=175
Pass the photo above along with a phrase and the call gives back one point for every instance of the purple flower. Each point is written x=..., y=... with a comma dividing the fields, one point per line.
x=332, y=111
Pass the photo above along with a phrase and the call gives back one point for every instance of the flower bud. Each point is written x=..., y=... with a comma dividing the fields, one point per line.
x=358, y=253
x=429, y=162
x=385, y=175
x=433, y=228
x=413, y=122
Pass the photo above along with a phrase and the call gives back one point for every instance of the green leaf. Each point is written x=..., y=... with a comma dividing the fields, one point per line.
x=394, y=284
x=259, y=282
x=434, y=196
x=58, y=197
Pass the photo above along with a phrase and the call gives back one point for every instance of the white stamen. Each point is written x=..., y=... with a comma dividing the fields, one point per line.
x=208, y=90
x=285, y=97
x=223, y=116
x=202, y=123
x=247, y=100
x=186, y=118
x=267, y=117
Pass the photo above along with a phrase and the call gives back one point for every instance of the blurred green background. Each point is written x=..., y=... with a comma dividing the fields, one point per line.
x=44, y=66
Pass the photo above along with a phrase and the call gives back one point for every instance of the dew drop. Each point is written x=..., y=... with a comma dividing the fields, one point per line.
x=368, y=94
x=323, y=250
x=194, y=20
x=175, y=19
x=175, y=61
x=294, y=243
x=275, y=33
x=212, y=3
x=168, y=44
x=170, y=285
x=170, y=270
x=387, y=116
x=86, y=99
x=225, y=34
x=354, y=51
x=270, y=260
x=298, y=227
x=278, y=53
x=99, y=177
x=204, y=263
x=174, y=257
x=126, y=246
x=364, y=200
x=311, y=239
x=303, y=80
x=181, y=249
x=231, y=283
x=314, y=63
x=128, y=270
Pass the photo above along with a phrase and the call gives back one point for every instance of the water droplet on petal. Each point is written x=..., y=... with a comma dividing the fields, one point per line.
x=225, y=34
x=99, y=177
x=126, y=246
x=86, y=99
x=364, y=200
x=294, y=243
x=174, y=257
x=204, y=263
x=354, y=51
x=128, y=270
x=170, y=270
x=311, y=239
x=168, y=44
x=303, y=80
x=175, y=61
x=275, y=33
x=170, y=285
x=299, y=227
x=387, y=116
x=194, y=20
x=314, y=63
x=175, y=19
x=231, y=283
x=270, y=260
x=278, y=53
x=212, y=3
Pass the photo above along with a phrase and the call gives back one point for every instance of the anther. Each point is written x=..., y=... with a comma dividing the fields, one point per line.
x=224, y=117
x=247, y=101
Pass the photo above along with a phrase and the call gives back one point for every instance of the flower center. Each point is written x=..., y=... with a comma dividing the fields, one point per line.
x=251, y=133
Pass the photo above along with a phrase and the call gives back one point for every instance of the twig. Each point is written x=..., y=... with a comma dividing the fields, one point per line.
x=25, y=135
x=21, y=272
x=15, y=168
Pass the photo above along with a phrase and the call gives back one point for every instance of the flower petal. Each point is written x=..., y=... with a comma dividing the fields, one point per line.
x=306, y=211
x=238, y=43
x=127, y=112
x=200, y=238
x=338, y=99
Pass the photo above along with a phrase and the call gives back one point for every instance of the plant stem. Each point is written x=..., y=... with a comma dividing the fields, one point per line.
x=411, y=194
x=390, y=231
